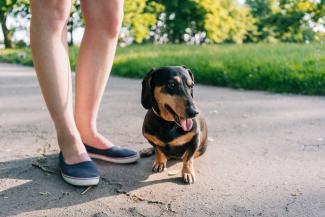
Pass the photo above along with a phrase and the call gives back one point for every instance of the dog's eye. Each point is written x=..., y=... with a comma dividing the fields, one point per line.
x=172, y=84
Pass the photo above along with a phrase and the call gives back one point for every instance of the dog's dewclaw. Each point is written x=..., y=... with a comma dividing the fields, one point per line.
x=147, y=152
x=172, y=172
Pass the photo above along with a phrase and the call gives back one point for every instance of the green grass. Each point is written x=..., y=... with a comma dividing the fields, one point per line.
x=292, y=68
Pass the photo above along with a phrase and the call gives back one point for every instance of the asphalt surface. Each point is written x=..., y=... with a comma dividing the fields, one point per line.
x=266, y=156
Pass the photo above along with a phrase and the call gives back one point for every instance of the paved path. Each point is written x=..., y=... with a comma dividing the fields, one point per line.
x=266, y=156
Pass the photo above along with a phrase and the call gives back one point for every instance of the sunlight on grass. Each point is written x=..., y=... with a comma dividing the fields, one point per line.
x=295, y=68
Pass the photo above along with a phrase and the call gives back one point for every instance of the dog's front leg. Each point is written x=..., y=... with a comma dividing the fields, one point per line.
x=160, y=161
x=188, y=173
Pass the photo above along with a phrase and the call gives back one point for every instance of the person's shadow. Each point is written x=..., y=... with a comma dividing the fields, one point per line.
x=35, y=184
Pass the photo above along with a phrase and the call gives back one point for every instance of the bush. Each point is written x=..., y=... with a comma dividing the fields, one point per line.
x=295, y=68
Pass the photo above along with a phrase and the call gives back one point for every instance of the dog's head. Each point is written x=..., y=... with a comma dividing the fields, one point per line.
x=169, y=91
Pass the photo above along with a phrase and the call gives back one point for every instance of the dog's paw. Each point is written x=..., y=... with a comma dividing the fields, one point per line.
x=188, y=177
x=158, y=167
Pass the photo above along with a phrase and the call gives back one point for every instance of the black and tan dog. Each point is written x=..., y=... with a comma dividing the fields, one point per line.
x=173, y=124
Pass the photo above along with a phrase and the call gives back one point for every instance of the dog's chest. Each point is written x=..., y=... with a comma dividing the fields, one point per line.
x=175, y=142
x=168, y=136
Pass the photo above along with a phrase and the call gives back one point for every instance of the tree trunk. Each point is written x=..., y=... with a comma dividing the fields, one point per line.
x=71, y=42
x=6, y=32
x=70, y=30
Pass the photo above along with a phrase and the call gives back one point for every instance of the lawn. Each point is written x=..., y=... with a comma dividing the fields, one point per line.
x=292, y=68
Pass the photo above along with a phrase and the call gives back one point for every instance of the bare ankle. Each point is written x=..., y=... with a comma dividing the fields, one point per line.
x=72, y=148
x=87, y=133
x=65, y=138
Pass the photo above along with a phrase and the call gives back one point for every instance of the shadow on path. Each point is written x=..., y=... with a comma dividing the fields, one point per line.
x=23, y=182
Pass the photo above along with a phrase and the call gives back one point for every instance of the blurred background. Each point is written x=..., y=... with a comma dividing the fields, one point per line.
x=189, y=21
x=275, y=45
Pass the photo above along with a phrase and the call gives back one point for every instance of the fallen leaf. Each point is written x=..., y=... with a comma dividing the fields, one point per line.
x=172, y=172
x=44, y=193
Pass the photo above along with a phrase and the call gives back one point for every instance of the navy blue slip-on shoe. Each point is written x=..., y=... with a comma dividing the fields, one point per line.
x=79, y=174
x=115, y=154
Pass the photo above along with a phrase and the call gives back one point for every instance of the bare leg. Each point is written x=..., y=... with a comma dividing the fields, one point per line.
x=102, y=25
x=50, y=56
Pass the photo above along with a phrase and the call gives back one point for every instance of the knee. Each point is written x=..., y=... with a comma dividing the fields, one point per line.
x=108, y=24
x=113, y=26
x=51, y=15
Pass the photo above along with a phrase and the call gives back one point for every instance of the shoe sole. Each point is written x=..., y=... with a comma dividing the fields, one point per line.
x=80, y=181
x=125, y=160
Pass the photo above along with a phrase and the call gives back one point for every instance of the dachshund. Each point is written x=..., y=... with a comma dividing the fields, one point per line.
x=173, y=125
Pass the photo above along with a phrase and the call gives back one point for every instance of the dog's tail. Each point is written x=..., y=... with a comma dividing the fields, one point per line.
x=147, y=152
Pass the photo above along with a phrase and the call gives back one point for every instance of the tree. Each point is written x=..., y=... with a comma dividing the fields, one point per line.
x=180, y=15
x=225, y=20
x=139, y=16
x=286, y=20
x=221, y=20
x=291, y=23
x=7, y=7
x=318, y=18
x=75, y=20
x=261, y=11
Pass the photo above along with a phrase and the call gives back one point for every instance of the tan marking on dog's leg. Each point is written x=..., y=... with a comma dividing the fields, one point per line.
x=159, y=164
x=188, y=173
x=153, y=139
x=182, y=139
x=197, y=154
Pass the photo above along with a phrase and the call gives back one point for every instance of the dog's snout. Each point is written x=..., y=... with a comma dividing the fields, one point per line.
x=191, y=111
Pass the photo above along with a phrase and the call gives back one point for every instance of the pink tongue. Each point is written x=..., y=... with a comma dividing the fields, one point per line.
x=186, y=124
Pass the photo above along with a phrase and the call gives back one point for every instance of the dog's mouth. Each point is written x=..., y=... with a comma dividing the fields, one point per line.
x=185, y=123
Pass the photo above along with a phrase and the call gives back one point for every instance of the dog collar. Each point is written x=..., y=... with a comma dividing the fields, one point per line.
x=155, y=112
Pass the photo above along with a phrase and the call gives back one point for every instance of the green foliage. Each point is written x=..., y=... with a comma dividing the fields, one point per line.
x=18, y=56
x=75, y=20
x=284, y=20
x=225, y=20
x=140, y=15
x=222, y=20
x=214, y=21
x=295, y=68
x=180, y=15
x=291, y=68
x=7, y=7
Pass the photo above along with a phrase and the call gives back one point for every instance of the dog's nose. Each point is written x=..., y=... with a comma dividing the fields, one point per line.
x=191, y=112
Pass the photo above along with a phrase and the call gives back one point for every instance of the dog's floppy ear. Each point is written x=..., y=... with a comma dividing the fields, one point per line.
x=189, y=72
x=146, y=94
x=192, y=76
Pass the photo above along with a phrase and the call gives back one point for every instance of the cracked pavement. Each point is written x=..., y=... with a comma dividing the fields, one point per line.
x=265, y=156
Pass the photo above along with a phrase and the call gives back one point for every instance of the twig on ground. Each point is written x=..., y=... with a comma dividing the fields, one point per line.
x=44, y=168
x=44, y=193
x=86, y=190
x=135, y=197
